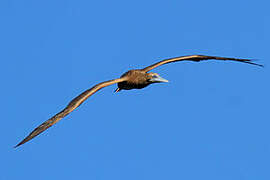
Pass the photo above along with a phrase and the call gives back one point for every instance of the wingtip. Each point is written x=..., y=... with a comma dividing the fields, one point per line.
x=22, y=142
x=261, y=65
x=17, y=145
x=253, y=63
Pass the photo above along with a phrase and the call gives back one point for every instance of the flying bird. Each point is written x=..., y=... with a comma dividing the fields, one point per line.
x=132, y=79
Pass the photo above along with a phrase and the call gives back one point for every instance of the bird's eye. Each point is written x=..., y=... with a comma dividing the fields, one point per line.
x=154, y=76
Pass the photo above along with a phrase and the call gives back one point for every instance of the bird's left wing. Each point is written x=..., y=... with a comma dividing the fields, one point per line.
x=197, y=58
x=76, y=102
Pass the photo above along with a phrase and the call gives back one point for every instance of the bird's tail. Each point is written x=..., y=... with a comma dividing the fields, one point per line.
x=117, y=90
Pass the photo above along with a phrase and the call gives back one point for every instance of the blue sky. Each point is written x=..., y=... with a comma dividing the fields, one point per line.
x=210, y=122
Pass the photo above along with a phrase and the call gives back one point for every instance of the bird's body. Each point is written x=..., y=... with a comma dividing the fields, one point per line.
x=133, y=79
x=136, y=79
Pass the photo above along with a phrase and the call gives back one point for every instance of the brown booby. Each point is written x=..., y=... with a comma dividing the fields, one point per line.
x=133, y=79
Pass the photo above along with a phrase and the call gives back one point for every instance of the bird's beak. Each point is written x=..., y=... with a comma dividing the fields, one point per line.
x=158, y=79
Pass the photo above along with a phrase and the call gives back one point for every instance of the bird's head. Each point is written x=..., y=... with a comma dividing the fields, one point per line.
x=155, y=78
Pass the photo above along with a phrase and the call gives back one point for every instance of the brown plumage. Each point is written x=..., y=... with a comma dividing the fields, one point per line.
x=133, y=79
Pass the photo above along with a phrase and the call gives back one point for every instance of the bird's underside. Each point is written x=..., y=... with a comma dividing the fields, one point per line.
x=133, y=79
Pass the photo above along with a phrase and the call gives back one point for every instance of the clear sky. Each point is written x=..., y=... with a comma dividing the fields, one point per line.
x=211, y=121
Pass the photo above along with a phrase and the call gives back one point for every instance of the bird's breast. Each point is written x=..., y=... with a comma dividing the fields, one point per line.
x=128, y=85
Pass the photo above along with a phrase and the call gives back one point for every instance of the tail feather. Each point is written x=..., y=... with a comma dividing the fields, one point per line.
x=117, y=90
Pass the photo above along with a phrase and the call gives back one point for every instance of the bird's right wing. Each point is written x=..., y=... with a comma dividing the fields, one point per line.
x=197, y=58
x=76, y=102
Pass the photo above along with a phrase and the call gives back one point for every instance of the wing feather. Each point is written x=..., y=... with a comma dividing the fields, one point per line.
x=76, y=102
x=197, y=58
